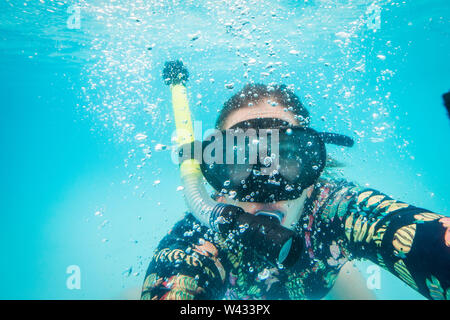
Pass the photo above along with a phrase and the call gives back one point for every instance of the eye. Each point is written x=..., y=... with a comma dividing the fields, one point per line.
x=238, y=172
x=290, y=168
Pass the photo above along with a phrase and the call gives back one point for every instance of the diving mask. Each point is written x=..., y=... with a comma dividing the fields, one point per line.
x=265, y=160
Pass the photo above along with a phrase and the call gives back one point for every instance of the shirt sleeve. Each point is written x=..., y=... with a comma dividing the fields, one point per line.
x=185, y=266
x=410, y=242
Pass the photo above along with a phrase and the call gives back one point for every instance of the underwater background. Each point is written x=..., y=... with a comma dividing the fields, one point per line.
x=87, y=177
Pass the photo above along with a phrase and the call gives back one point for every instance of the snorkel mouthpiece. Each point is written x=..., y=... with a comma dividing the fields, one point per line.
x=261, y=233
x=270, y=239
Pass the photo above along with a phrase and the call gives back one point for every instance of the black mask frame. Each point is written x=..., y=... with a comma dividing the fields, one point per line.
x=300, y=161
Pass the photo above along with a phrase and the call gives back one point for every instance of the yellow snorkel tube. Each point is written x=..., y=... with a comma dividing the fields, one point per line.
x=276, y=243
x=197, y=198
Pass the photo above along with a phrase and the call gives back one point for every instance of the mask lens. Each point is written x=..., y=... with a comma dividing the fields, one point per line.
x=238, y=172
x=290, y=169
x=300, y=157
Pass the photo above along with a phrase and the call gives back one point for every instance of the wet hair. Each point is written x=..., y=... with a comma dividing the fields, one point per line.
x=253, y=93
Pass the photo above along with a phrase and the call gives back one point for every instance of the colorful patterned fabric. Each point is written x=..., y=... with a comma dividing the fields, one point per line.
x=341, y=222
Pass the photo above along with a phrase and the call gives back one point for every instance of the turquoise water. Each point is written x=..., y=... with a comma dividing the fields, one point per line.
x=85, y=179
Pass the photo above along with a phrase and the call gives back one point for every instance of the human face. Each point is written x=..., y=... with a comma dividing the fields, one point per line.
x=291, y=210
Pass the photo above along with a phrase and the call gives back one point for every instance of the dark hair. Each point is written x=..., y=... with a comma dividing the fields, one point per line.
x=253, y=93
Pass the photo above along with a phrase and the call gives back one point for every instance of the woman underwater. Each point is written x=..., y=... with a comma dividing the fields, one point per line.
x=333, y=221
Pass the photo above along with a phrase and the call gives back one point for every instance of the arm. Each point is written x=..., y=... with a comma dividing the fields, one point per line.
x=185, y=266
x=410, y=242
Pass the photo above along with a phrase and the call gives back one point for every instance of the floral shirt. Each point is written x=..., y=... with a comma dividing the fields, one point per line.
x=341, y=222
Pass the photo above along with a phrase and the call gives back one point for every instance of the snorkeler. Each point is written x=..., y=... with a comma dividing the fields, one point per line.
x=285, y=234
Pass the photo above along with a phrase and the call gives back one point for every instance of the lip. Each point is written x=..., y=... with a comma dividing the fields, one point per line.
x=271, y=213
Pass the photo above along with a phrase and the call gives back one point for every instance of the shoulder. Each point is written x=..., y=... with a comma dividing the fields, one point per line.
x=329, y=195
x=335, y=188
x=324, y=190
x=186, y=230
x=189, y=232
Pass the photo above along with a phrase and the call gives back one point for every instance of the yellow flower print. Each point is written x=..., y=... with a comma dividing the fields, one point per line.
x=436, y=291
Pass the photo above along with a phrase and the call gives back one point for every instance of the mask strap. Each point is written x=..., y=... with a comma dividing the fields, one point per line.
x=337, y=139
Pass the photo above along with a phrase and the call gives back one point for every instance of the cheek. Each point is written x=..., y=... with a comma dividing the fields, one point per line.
x=248, y=207
x=221, y=199
x=290, y=219
x=292, y=211
x=283, y=206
